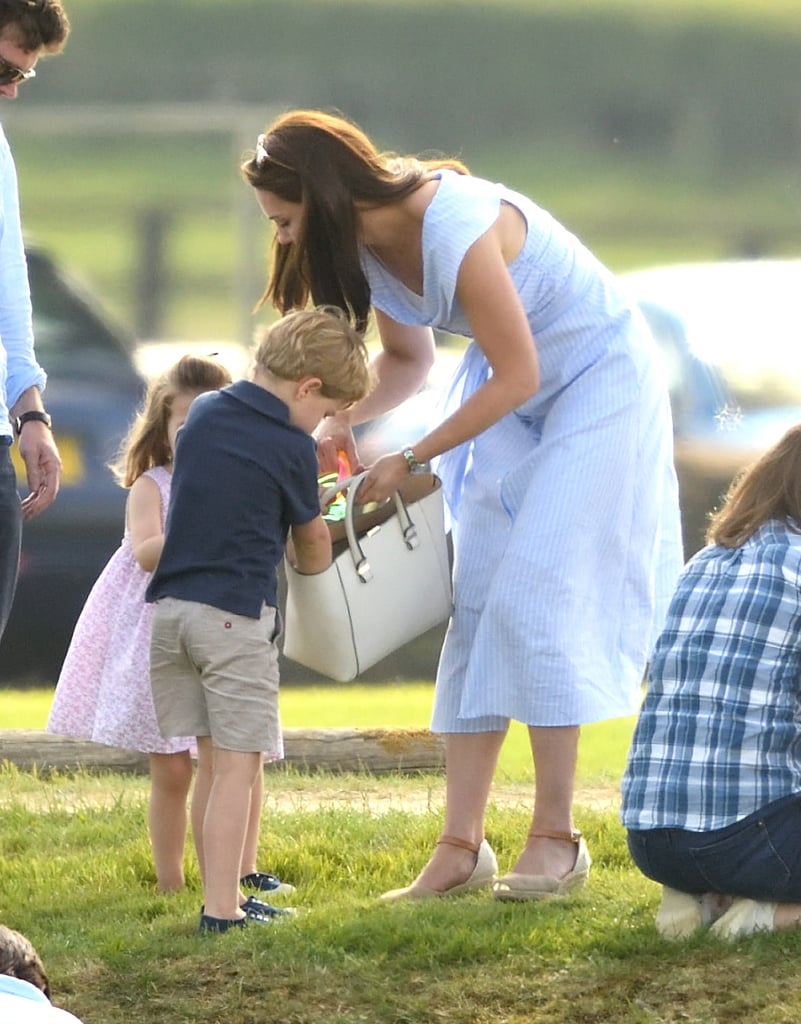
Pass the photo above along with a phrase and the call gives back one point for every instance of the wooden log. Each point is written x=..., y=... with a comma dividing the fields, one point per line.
x=33, y=749
x=375, y=751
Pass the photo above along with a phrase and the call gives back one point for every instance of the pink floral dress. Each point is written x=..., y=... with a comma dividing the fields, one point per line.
x=103, y=692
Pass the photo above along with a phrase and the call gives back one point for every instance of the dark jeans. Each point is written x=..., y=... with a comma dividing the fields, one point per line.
x=758, y=857
x=10, y=532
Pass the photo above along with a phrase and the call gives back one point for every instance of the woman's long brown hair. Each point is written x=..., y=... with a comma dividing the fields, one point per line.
x=329, y=165
x=768, y=489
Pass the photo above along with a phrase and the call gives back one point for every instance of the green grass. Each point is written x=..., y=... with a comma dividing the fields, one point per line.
x=407, y=705
x=77, y=879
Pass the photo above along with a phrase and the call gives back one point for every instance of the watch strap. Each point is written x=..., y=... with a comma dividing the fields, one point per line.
x=34, y=414
x=411, y=460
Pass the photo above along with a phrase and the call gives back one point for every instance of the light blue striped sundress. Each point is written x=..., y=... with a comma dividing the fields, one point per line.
x=566, y=521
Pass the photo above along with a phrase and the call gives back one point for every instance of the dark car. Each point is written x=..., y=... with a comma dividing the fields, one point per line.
x=92, y=393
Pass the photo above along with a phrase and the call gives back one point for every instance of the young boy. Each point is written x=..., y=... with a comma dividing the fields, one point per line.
x=245, y=479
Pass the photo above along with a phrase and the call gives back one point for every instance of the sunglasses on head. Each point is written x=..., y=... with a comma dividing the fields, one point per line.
x=262, y=156
x=10, y=74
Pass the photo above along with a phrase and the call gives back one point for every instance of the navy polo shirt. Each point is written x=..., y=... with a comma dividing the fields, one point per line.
x=243, y=475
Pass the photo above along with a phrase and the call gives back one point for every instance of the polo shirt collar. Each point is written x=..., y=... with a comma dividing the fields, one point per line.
x=258, y=398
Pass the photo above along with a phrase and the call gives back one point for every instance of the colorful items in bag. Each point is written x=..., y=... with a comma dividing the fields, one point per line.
x=335, y=512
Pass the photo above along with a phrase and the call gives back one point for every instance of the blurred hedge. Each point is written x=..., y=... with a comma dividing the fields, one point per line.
x=700, y=85
x=658, y=131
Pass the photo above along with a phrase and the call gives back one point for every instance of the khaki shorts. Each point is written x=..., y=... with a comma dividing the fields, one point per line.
x=215, y=674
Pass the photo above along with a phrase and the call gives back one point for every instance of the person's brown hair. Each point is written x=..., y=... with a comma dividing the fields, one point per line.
x=317, y=343
x=770, y=488
x=328, y=164
x=147, y=444
x=19, y=959
x=34, y=24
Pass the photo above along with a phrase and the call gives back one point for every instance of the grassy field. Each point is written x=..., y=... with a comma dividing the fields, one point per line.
x=77, y=879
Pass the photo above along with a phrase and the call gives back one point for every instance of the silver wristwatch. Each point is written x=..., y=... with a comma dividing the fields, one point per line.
x=411, y=460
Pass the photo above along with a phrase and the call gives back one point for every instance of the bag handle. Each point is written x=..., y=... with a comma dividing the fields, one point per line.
x=351, y=484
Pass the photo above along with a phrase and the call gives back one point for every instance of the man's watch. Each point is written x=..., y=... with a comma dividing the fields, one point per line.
x=411, y=460
x=34, y=414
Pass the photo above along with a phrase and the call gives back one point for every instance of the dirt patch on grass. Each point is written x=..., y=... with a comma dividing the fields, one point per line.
x=421, y=800
x=370, y=795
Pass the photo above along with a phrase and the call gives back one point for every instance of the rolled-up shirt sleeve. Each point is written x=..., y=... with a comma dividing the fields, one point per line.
x=19, y=369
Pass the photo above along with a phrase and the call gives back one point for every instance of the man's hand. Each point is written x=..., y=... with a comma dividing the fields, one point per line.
x=43, y=467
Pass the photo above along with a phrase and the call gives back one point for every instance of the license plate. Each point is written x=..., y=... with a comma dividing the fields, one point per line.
x=73, y=469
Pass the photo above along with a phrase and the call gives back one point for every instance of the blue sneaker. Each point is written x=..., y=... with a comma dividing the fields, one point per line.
x=260, y=909
x=222, y=924
x=263, y=881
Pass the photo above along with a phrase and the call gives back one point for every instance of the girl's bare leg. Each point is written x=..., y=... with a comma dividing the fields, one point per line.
x=200, y=798
x=170, y=779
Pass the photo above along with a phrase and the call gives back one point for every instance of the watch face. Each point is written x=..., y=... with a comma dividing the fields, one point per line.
x=411, y=460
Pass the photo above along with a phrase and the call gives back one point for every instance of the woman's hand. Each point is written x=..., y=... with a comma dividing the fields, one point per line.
x=383, y=478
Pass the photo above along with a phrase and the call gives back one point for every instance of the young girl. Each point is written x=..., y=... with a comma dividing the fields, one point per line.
x=712, y=791
x=103, y=693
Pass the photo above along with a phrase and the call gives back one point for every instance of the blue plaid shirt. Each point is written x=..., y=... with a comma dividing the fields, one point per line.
x=719, y=732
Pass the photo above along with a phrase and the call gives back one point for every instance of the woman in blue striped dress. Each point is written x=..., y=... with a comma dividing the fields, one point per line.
x=555, y=454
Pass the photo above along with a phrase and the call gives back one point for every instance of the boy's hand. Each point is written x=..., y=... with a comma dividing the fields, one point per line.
x=334, y=436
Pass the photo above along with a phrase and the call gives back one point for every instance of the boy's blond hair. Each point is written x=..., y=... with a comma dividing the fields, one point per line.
x=317, y=343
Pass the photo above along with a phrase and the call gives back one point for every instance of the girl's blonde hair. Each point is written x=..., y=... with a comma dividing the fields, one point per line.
x=770, y=488
x=317, y=343
x=147, y=444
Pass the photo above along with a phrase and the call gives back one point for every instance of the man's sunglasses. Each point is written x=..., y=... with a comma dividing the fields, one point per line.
x=10, y=74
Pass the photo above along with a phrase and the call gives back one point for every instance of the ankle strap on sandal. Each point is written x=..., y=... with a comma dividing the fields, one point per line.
x=572, y=836
x=463, y=844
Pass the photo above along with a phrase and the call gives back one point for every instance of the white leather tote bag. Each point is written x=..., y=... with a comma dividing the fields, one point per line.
x=390, y=581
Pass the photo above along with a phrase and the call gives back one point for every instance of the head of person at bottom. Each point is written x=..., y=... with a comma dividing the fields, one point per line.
x=19, y=959
x=315, y=362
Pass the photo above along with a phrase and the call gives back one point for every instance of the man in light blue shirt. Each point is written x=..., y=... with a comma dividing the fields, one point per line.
x=27, y=31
